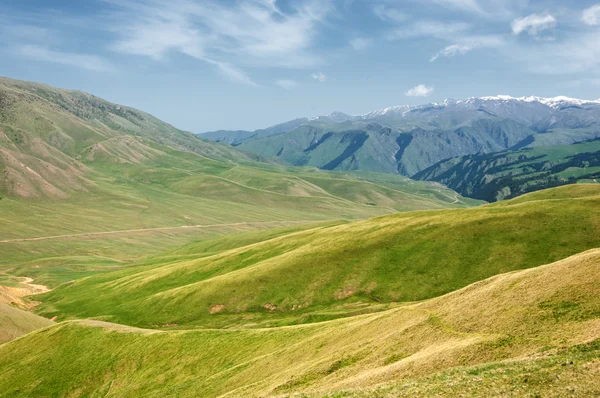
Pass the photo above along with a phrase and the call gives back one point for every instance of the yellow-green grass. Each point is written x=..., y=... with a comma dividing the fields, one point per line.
x=325, y=272
x=566, y=372
x=134, y=210
x=518, y=322
x=15, y=322
x=62, y=259
x=72, y=164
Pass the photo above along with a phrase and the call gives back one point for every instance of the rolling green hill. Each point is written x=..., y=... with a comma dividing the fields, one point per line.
x=16, y=323
x=88, y=186
x=139, y=260
x=529, y=332
x=471, y=145
x=332, y=271
x=508, y=174
x=376, y=147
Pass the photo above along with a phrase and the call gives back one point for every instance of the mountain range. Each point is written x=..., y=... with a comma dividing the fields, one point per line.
x=408, y=140
x=137, y=259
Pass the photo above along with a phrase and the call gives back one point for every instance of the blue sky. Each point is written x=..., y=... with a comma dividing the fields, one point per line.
x=245, y=64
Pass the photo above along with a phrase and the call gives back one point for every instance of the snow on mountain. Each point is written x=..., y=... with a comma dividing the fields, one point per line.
x=554, y=102
x=383, y=112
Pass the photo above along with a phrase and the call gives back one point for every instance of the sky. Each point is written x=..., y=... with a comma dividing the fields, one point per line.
x=205, y=65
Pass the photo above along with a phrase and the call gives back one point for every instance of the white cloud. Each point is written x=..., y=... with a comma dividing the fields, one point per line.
x=319, y=76
x=286, y=84
x=451, y=51
x=248, y=32
x=591, y=16
x=468, y=43
x=419, y=91
x=390, y=14
x=576, y=55
x=84, y=61
x=231, y=72
x=533, y=24
x=490, y=9
x=465, y=5
x=360, y=43
x=437, y=29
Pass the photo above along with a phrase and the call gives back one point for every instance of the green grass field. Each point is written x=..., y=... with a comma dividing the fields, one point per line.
x=297, y=277
x=16, y=322
x=181, y=267
x=88, y=186
x=516, y=322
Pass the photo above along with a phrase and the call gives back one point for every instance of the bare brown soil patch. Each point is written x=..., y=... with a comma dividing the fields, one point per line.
x=16, y=295
x=216, y=308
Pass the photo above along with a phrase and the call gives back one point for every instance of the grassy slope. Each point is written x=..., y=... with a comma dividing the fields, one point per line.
x=186, y=190
x=73, y=164
x=16, y=322
x=509, y=174
x=566, y=372
x=326, y=272
x=540, y=316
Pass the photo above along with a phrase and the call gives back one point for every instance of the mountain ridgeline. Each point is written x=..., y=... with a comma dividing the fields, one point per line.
x=507, y=174
x=408, y=140
x=137, y=259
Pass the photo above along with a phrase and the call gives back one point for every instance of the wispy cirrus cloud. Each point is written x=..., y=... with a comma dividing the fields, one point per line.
x=319, y=76
x=451, y=51
x=578, y=54
x=360, y=43
x=286, y=84
x=465, y=5
x=231, y=72
x=389, y=13
x=84, y=61
x=465, y=44
x=459, y=34
x=492, y=9
x=250, y=32
x=429, y=28
x=29, y=36
x=533, y=24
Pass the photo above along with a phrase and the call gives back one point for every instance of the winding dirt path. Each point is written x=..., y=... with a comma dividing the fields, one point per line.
x=126, y=231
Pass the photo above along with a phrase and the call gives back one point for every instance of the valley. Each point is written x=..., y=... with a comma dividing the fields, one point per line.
x=137, y=259
x=426, y=141
x=299, y=199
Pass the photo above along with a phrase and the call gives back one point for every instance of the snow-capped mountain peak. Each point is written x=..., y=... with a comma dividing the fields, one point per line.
x=553, y=102
x=386, y=111
x=561, y=101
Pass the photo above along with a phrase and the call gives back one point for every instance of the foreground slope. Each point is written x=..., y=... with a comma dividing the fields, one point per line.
x=16, y=318
x=541, y=317
x=15, y=322
x=326, y=272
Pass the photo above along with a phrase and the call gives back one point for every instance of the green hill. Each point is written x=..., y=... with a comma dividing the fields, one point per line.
x=332, y=271
x=88, y=186
x=470, y=145
x=15, y=323
x=184, y=267
x=385, y=148
x=508, y=174
x=16, y=319
x=529, y=332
